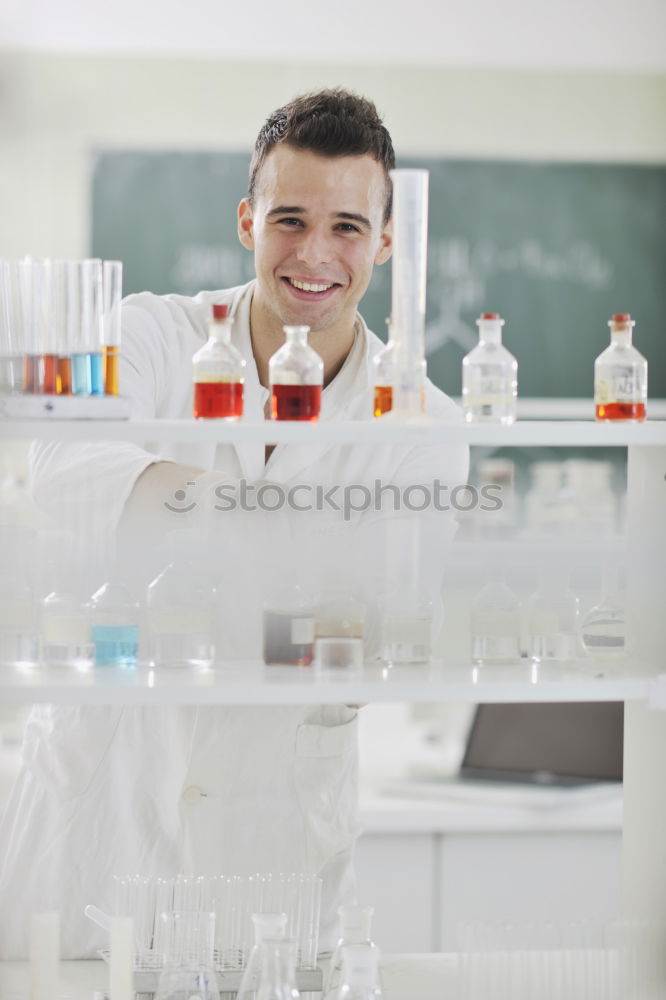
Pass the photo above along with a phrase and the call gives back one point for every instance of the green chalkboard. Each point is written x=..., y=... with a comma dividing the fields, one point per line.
x=556, y=248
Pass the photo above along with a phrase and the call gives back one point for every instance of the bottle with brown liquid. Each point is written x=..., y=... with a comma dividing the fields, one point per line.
x=296, y=376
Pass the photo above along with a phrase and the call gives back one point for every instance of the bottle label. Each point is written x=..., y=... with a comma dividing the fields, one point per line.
x=622, y=387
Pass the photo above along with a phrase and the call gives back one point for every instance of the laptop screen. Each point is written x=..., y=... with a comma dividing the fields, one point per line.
x=549, y=744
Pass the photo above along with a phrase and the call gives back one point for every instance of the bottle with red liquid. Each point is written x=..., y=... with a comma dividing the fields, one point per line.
x=218, y=371
x=296, y=375
x=620, y=375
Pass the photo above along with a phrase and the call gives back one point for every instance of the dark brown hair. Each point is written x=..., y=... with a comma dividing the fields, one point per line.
x=329, y=122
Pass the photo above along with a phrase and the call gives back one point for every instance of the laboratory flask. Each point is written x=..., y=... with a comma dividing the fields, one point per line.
x=355, y=921
x=188, y=972
x=360, y=973
x=277, y=978
x=267, y=926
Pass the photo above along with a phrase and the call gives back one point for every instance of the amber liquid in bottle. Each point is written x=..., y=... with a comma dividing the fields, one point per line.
x=296, y=402
x=620, y=411
x=218, y=399
x=111, y=358
x=383, y=399
x=64, y=377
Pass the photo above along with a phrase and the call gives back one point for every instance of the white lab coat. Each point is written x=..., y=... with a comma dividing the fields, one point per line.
x=210, y=790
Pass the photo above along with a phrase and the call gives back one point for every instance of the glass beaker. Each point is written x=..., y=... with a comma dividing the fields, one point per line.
x=289, y=629
x=188, y=972
x=114, y=626
x=495, y=624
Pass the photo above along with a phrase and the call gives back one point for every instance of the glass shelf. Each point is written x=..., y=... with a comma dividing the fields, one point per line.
x=523, y=433
x=252, y=683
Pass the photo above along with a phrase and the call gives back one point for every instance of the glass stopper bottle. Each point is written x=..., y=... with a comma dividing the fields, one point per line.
x=296, y=376
x=355, y=921
x=267, y=926
x=620, y=375
x=218, y=371
x=383, y=374
x=114, y=626
x=360, y=973
x=495, y=624
x=489, y=376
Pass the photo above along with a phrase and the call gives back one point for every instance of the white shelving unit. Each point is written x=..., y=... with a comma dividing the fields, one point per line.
x=636, y=681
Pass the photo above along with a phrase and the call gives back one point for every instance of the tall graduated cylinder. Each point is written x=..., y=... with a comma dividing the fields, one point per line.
x=408, y=288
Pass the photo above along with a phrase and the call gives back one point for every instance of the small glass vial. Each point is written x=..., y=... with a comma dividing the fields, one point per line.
x=360, y=973
x=603, y=628
x=553, y=619
x=296, y=376
x=489, y=376
x=218, y=371
x=355, y=922
x=495, y=625
x=65, y=631
x=620, y=375
x=114, y=626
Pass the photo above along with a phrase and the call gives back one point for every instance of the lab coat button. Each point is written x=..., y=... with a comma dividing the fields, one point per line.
x=192, y=795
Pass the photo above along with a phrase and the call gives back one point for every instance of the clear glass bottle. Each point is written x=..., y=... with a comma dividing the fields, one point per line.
x=114, y=626
x=360, y=973
x=277, y=980
x=553, y=618
x=603, y=628
x=180, y=610
x=549, y=505
x=489, y=376
x=495, y=624
x=267, y=926
x=65, y=631
x=355, y=923
x=218, y=371
x=296, y=376
x=620, y=375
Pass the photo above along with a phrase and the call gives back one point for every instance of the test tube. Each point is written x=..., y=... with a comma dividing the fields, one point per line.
x=66, y=319
x=87, y=360
x=408, y=287
x=113, y=283
x=36, y=293
x=11, y=329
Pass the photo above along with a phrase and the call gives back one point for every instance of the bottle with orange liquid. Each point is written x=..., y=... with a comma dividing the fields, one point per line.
x=218, y=371
x=296, y=375
x=384, y=368
x=620, y=375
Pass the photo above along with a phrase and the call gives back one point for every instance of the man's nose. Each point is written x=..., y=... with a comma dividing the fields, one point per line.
x=314, y=248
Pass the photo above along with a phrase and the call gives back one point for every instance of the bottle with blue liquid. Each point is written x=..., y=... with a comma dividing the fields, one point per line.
x=114, y=626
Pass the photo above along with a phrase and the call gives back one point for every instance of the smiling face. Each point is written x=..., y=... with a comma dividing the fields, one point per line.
x=316, y=227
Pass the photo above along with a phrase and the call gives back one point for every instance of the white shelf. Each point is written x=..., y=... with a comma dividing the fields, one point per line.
x=523, y=433
x=252, y=683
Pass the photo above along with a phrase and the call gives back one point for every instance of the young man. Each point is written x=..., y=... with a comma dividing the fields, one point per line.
x=218, y=789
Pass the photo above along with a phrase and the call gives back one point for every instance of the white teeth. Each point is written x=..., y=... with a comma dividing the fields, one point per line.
x=307, y=286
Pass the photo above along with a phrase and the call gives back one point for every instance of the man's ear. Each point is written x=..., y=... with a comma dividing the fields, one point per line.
x=385, y=244
x=245, y=224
